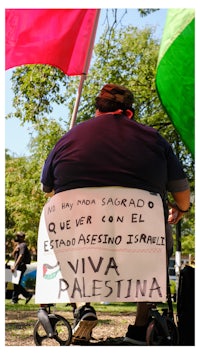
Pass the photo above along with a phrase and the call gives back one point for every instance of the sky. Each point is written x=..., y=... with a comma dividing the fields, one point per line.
x=16, y=136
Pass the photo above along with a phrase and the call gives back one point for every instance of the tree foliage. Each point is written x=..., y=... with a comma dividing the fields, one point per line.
x=127, y=56
x=36, y=88
x=24, y=199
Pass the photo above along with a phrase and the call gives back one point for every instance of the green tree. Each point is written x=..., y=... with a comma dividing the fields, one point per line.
x=36, y=89
x=24, y=198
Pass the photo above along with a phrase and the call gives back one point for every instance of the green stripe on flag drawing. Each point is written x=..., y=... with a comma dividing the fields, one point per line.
x=52, y=275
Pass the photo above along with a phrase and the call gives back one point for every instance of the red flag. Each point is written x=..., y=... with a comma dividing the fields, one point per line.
x=59, y=37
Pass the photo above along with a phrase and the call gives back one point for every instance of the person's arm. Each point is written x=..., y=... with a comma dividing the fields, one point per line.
x=47, y=178
x=46, y=190
x=182, y=200
x=17, y=262
x=180, y=206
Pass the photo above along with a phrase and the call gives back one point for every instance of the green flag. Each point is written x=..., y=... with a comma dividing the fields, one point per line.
x=175, y=72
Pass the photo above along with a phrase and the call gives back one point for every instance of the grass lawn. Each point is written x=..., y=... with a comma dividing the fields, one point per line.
x=112, y=308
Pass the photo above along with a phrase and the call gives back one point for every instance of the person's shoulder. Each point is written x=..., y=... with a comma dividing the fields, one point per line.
x=78, y=126
x=23, y=245
x=144, y=127
x=81, y=126
x=152, y=132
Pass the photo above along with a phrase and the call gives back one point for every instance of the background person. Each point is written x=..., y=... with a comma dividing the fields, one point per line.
x=112, y=149
x=19, y=254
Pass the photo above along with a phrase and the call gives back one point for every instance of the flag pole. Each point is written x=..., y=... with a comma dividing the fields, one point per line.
x=86, y=67
x=78, y=98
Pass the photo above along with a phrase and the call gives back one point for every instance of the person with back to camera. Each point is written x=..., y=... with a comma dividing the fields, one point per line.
x=112, y=149
x=20, y=251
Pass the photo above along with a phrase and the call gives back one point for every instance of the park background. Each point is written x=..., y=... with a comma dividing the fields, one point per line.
x=17, y=137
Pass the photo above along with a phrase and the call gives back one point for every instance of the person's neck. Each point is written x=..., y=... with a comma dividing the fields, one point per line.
x=128, y=113
x=117, y=112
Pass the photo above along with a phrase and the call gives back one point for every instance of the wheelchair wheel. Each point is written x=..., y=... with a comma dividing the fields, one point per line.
x=154, y=334
x=62, y=330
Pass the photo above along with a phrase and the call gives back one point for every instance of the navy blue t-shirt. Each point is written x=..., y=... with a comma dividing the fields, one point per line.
x=111, y=150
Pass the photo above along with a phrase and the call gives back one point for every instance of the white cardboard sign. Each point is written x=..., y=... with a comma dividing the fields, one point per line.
x=12, y=277
x=102, y=244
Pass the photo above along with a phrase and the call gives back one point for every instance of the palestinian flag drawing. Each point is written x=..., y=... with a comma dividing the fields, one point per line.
x=175, y=72
x=49, y=271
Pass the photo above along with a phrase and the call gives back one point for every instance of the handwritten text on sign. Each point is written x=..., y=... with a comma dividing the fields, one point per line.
x=98, y=244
